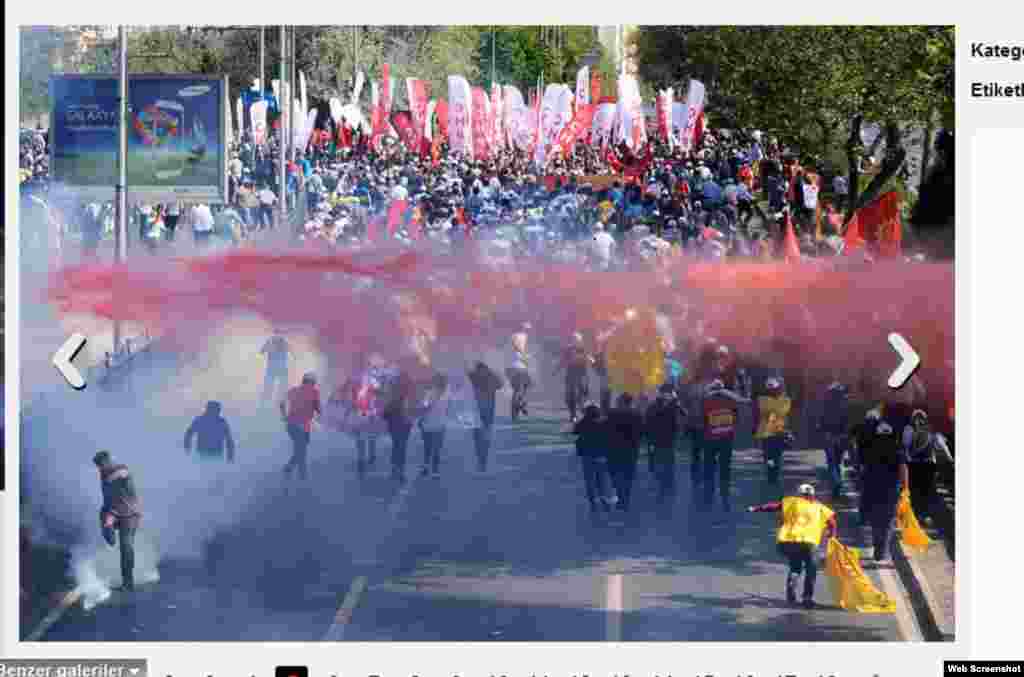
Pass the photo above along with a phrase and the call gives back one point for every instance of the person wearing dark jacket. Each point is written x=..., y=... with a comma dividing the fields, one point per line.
x=625, y=428
x=486, y=384
x=399, y=414
x=121, y=512
x=663, y=424
x=212, y=434
x=592, y=448
x=884, y=473
x=835, y=424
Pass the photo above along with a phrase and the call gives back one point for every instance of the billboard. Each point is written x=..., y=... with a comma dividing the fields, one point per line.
x=176, y=136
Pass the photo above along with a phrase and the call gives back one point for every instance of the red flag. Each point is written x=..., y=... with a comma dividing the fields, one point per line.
x=698, y=132
x=852, y=240
x=436, y=150
x=442, y=118
x=395, y=213
x=878, y=225
x=790, y=246
x=403, y=123
x=890, y=236
x=595, y=87
x=481, y=149
x=576, y=129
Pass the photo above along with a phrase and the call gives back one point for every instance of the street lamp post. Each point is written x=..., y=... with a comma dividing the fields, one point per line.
x=121, y=187
x=282, y=209
x=263, y=61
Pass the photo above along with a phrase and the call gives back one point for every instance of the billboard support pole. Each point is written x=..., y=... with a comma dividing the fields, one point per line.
x=282, y=209
x=121, y=188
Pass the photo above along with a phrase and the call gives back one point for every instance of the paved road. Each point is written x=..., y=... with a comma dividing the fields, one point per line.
x=511, y=555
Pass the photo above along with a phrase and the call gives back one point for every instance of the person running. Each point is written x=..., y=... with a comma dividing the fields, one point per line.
x=804, y=522
x=924, y=449
x=518, y=372
x=213, y=435
x=884, y=472
x=721, y=415
x=625, y=432
x=835, y=425
x=576, y=361
x=486, y=384
x=591, y=447
x=277, y=351
x=663, y=423
x=433, y=425
x=771, y=411
x=120, y=514
x=298, y=411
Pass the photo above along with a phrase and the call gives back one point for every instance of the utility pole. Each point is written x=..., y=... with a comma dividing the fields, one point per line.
x=355, y=55
x=263, y=60
x=494, y=67
x=294, y=80
x=121, y=188
x=282, y=207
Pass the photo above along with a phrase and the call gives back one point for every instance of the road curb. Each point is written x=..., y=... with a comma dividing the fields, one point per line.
x=930, y=616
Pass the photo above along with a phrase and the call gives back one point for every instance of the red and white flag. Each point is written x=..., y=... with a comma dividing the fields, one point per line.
x=665, y=115
x=481, y=132
x=417, y=92
x=520, y=132
x=601, y=129
x=498, y=116
x=460, y=116
x=694, y=109
x=258, y=113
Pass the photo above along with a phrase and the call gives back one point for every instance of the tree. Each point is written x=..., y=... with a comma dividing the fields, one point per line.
x=812, y=86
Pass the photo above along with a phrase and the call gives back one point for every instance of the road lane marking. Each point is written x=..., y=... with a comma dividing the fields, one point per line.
x=336, y=633
x=55, y=615
x=906, y=624
x=343, y=617
x=613, y=608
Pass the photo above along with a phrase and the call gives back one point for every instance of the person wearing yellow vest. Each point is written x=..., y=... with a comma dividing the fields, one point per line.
x=771, y=411
x=805, y=521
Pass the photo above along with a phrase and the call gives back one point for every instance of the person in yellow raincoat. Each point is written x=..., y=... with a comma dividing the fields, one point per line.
x=805, y=520
x=771, y=411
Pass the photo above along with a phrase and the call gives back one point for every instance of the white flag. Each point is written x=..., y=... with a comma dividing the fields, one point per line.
x=302, y=90
x=258, y=114
x=335, y=105
x=240, y=116
x=583, y=87
x=460, y=111
x=428, y=126
x=358, y=89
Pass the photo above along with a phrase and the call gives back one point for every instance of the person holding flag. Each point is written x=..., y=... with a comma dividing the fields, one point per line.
x=804, y=522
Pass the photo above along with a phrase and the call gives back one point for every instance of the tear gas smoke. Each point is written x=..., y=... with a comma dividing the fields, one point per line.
x=215, y=313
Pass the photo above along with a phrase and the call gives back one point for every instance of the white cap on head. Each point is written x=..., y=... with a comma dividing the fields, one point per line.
x=806, y=490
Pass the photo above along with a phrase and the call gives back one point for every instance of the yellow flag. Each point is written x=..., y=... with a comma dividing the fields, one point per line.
x=851, y=588
x=913, y=535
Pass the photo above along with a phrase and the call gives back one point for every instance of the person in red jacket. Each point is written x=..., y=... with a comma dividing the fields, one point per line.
x=298, y=412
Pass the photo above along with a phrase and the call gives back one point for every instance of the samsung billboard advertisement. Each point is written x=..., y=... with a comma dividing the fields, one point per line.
x=177, y=129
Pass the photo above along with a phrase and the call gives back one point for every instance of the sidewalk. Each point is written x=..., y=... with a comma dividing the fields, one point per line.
x=929, y=577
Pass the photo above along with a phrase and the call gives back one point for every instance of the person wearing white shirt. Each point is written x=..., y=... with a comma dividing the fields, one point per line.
x=604, y=244
x=267, y=202
x=202, y=224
